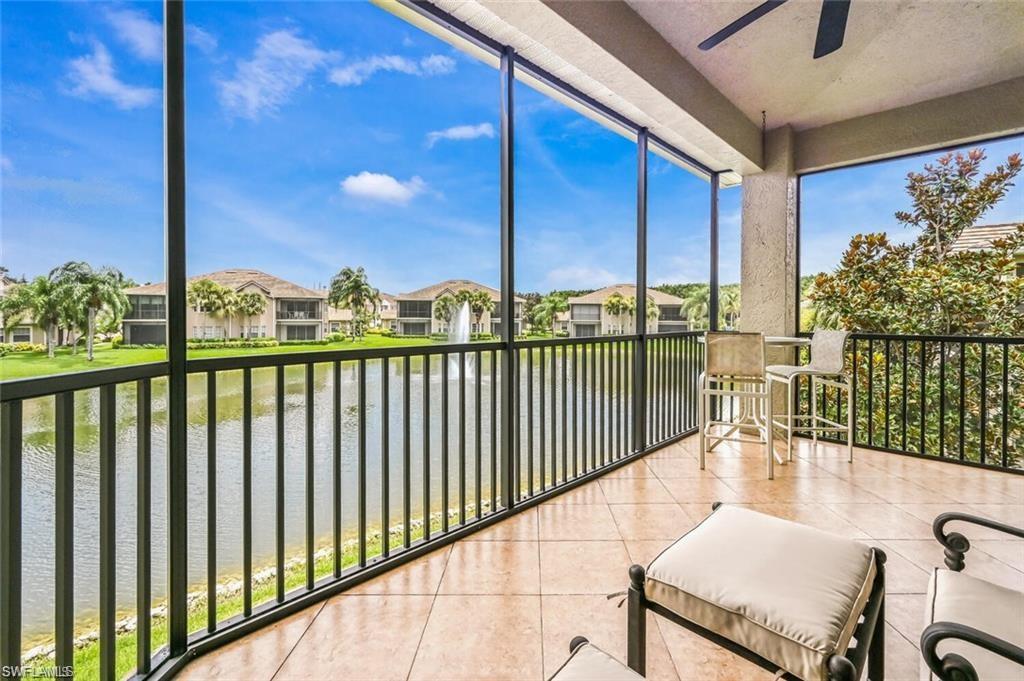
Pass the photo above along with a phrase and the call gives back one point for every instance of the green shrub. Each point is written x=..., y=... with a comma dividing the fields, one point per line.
x=117, y=341
x=8, y=348
x=385, y=331
x=217, y=343
x=322, y=341
x=335, y=337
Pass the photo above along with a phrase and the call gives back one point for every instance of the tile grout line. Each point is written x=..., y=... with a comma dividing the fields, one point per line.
x=319, y=610
x=540, y=601
x=430, y=611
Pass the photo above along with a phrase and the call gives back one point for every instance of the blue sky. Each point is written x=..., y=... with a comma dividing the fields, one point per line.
x=322, y=135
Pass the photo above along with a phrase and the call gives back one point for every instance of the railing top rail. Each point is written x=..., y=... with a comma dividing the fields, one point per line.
x=41, y=386
x=569, y=340
x=995, y=340
x=676, y=334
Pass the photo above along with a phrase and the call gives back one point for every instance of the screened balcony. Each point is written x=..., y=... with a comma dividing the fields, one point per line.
x=423, y=511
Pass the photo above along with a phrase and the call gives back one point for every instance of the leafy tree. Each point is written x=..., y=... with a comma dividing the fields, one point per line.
x=617, y=305
x=87, y=291
x=729, y=306
x=350, y=289
x=479, y=302
x=39, y=299
x=696, y=305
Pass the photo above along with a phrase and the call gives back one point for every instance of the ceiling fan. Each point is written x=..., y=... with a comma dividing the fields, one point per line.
x=831, y=25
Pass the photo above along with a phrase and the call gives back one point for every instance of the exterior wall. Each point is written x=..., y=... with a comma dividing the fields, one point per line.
x=36, y=334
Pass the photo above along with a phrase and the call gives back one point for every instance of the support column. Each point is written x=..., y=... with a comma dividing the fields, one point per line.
x=768, y=251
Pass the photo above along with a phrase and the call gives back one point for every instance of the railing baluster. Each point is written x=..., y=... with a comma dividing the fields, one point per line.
x=1006, y=403
x=279, y=404
x=516, y=421
x=543, y=415
x=494, y=431
x=554, y=417
x=529, y=420
x=923, y=397
x=462, y=438
x=982, y=442
x=871, y=393
x=361, y=489
x=385, y=458
x=310, y=478
x=211, y=501
x=963, y=395
x=336, y=466
x=64, y=546
x=10, y=532
x=575, y=399
x=887, y=397
x=903, y=378
x=143, y=519
x=108, y=532
x=584, y=350
x=600, y=349
x=426, y=448
x=406, y=453
x=445, y=468
x=565, y=413
x=247, y=491
x=594, y=416
x=942, y=399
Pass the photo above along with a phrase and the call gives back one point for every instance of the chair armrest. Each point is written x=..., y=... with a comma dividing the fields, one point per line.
x=953, y=667
x=955, y=544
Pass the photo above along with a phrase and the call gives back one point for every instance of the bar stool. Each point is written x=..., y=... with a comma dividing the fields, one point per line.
x=734, y=367
x=824, y=369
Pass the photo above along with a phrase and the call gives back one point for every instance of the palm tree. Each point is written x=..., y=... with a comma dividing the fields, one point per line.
x=40, y=299
x=229, y=307
x=84, y=292
x=617, y=305
x=729, y=306
x=249, y=304
x=696, y=305
x=549, y=307
x=205, y=296
x=479, y=302
x=350, y=289
x=444, y=308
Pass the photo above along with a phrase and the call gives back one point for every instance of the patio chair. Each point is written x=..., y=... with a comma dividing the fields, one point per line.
x=795, y=600
x=824, y=369
x=973, y=629
x=734, y=368
x=587, y=662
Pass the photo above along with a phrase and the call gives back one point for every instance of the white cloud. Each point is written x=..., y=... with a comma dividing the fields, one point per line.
x=92, y=75
x=5, y=164
x=143, y=36
x=205, y=41
x=382, y=187
x=280, y=64
x=460, y=132
x=580, y=276
x=359, y=72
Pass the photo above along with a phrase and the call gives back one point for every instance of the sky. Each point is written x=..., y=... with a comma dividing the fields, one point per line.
x=323, y=135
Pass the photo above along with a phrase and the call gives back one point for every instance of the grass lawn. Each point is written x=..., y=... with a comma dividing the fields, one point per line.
x=29, y=364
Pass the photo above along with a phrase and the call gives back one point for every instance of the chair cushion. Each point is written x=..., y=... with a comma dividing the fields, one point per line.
x=590, y=663
x=996, y=610
x=790, y=593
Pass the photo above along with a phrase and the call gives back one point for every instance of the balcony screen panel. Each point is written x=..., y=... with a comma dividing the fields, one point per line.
x=678, y=239
x=81, y=196
x=575, y=204
x=730, y=209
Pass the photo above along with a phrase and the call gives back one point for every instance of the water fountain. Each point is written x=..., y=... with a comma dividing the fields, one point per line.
x=458, y=332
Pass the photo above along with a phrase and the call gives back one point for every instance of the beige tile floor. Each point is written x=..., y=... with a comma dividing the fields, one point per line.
x=505, y=602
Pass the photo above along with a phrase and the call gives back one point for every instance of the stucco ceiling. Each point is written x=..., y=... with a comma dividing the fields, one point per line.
x=894, y=54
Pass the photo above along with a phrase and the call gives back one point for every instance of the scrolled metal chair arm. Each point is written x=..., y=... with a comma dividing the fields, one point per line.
x=954, y=667
x=956, y=544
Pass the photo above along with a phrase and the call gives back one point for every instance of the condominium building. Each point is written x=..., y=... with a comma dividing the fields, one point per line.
x=292, y=312
x=589, y=315
x=23, y=329
x=416, y=309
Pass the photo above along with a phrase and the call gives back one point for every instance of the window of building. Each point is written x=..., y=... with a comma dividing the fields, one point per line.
x=21, y=334
x=414, y=309
x=300, y=332
x=298, y=309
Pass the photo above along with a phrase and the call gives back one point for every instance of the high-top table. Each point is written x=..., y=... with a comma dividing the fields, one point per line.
x=748, y=415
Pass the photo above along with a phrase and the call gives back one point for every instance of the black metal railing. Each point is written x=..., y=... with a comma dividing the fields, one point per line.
x=306, y=472
x=949, y=397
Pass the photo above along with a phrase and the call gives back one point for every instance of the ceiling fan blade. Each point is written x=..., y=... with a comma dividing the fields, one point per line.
x=831, y=27
x=744, y=21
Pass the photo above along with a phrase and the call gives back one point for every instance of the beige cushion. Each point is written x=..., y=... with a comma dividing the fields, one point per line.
x=790, y=593
x=590, y=663
x=996, y=610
